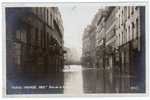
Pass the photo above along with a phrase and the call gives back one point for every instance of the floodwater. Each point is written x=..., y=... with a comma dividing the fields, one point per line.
x=74, y=79
x=79, y=80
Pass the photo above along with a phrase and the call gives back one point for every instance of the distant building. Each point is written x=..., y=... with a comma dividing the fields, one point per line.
x=71, y=56
x=88, y=50
x=89, y=43
x=67, y=55
x=100, y=39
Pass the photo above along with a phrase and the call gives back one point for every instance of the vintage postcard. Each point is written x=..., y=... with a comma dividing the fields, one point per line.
x=75, y=49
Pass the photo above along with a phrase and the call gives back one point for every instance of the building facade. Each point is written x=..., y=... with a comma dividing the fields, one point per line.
x=130, y=30
x=85, y=49
x=120, y=48
x=34, y=41
x=88, y=50
x=89, y=42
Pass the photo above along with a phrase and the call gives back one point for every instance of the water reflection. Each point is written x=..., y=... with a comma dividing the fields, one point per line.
x=51, y=83
x=78, y=80
x=96, y=81
x=73, y=79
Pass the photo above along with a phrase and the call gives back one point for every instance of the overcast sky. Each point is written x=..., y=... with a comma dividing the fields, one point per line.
x=75, y=19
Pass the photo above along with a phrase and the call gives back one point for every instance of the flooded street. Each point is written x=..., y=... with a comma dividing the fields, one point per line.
x=73, y=79
x=79, y=80
x=74, y=49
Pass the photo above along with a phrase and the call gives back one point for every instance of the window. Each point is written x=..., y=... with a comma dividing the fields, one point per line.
x=40, y=12
x=122, y=21
x=132, y=12
x=36, y=34
x=41, y=33
x=32, y=36
x=119, y=40
x=36, y=11
x=47, y=16
x=136, y=8
x=133, y=29
x=23, y=36
x=122, y=17
x=44, y=14
x=39, y=38
x=17, y=57
x=124, y=25
x=119, y=20
x=128, y=12
x=18, y=35
x=51, y=21
x=125, y=13
x=44, y=39
x=128, y=32
x=137, y=27
x=122, y=38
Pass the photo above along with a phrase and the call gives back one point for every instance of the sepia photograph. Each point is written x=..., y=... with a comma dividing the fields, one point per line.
x=75, y=49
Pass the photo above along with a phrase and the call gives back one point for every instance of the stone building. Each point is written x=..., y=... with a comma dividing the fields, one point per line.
x=130, y=30
x=34, y=41
x=110, y=40
x=119, y=48
x=87, y=50
x=89, y=43
x=100, y=50
x=105, y=46
x=100, y=38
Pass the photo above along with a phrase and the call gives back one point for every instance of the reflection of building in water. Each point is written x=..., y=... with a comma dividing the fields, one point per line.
x=34, y=40
x=120, y=48
x=73, y=80
x=89, y=81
